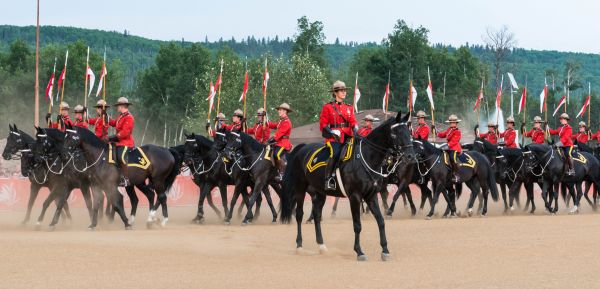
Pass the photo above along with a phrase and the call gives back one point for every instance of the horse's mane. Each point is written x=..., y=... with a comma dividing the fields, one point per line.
x=89, y=137
x=204, y=141
x=512, y=152
x=55, y=134
x=541, y=148
x=488, y=146
x=376, y=132
x=429, y=147
x=28, y=139
x=254, y=144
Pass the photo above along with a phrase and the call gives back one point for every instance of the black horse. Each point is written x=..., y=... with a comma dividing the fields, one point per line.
x=545, y=161
x=359, y=178
x=207, y=168
x=20, y=145
x=62, y=174
x=251, y=165
x=163, y=169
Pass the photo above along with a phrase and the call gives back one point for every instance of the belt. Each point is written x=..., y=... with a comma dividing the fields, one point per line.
x=285, y=137
x=341, y=125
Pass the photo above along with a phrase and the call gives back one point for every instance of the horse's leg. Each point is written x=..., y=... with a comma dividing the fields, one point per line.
x=47, y=202
x=413, y=208
x=204, y=190
x=474, y=193
x=61, y=200
x=555, y=196
x=117, y=202
x=87, y=197
x=256, y=191
x=267, y=194
x=334, y=209
x=209, y=199
x=299, y=195
x=134, y=200
x=436, y=196
x=257, y=205
x=588, y=185
x=504, y=200
x=374, y=206
x=426, y=194
x=236, y=193
x=546, y=196
x=161, y=192
x=355, y=200
x=34, y=189
x=576, y=196
x=390, y=210
x=384, y=198
x=404, y=200
x=317, y=210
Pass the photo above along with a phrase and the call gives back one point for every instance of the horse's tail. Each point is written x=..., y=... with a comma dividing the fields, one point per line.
x=175, y=170
x=492, y=184
x=288, y=202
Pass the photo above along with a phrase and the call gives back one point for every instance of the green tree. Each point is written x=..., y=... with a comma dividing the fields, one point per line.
x=310, y=40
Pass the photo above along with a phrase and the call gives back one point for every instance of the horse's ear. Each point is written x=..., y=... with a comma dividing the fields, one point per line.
x=15, y=127
x=69, y=126
x=402, y=119
x=10, y=127
x=399, y=116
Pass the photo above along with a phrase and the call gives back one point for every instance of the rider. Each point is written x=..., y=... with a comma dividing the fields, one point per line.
x=337, y=124
x=453, y=135
x=220, y=121
x=367, y=127
x=582, y=136
x=237, y=117
x=491, y=135
x=565, y=132
x=509, y=134
x=536, y=133
x=281, y=140
x=124, y=138
x=62, y=120
x=260, y=131
x=100, y=122
x=79, y=116
x=422, y=129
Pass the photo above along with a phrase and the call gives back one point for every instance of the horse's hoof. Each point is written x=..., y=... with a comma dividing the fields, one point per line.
x=274, y=222
x=149, y=225
x=309, y=221
x=322, y=249
x=128, y=227
x=227, y=223
x=333, y=214
x=483, y=215
x=453, y=216
x=198, y=221
x=470, y=212
x=164, y=222
x=245, y=223
x=428, y=218
x=386, y=257
x=91, y=228
x=131, y=220
x=51, y=228
x=38, y=226
x=388, y=213
x=362, y=257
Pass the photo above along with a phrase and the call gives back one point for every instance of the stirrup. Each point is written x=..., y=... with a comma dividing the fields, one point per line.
x=330, y=184
x=456, y=178
x=421, y=181
x=571, y=172
x=124, y=182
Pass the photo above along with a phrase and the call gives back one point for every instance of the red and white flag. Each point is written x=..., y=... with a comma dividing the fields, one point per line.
x=429, y=90
x=356, y=94
x=586, y=103
x=413, y=96
x=211, y=97
x=561, y=102
x=385, y=97
x=92, y=79
x=499, y=95
x=101, y=81
x=479, y=98
x=543, y=96
x=245, y=90
x=61, y=78
x=523, y=100
x=49, y=88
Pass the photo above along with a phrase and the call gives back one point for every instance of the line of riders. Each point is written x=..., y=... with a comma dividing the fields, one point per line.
x=357, y=162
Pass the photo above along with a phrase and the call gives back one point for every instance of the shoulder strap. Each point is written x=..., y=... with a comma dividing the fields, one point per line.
x=338, y=112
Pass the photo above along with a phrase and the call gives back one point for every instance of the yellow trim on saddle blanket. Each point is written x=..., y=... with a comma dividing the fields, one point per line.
x=311, y=166
x=110, y=154
x=470, y=161
x=268, y=153
x=143, y=163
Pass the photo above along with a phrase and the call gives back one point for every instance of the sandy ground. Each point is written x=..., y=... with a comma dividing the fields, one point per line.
x=518, y=251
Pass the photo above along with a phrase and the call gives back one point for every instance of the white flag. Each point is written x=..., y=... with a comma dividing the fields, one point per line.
x=90, y=75
x=512, y=80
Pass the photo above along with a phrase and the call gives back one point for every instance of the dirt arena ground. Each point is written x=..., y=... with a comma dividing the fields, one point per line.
x=518, y=251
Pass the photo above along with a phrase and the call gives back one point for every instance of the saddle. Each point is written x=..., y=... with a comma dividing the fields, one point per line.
x=575, y=155
x=322, y=155
x=462, y=160
x=131, y=157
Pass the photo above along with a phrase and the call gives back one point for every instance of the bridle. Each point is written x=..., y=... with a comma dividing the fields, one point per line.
x=538, y=161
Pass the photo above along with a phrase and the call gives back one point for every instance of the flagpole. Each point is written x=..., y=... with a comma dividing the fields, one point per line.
x=479, y=107
x=265, y=84
x=242, y=88
x=589, y=106
x=388, y=96
x=219, y=92
x=104, y=78
x=50, y=96
x=431, y=106
x=524, y=115
x=354, y=97
x=87, y=60
x=36, y=116
x=64, y=82
x=498, y=104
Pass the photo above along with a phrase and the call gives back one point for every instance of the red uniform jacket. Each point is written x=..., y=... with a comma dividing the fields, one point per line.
x=124, y=126
x=421, y=131
x=282, y=133
x=339, y=117
x=80, y=123
x=100, y=127
x=365, y=131
x=510, y=138
x=66, y=120
x=234, y=126
x=537, y=135
x=261, y=132
x=581, y=137
x=565, y=132
x=491, y=137
x=452, y=135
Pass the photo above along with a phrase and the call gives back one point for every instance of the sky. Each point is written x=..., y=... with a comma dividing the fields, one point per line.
x=542, y=25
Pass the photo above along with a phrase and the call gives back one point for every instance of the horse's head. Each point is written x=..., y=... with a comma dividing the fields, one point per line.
x=220, y=139
x=234, y=144
x=72, y=141
x=400, y=136
x=15, y=142
x=43, y=147
x=191, y=149
x=532, y=156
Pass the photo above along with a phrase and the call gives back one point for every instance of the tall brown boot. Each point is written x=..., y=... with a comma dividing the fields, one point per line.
x=281, y=165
